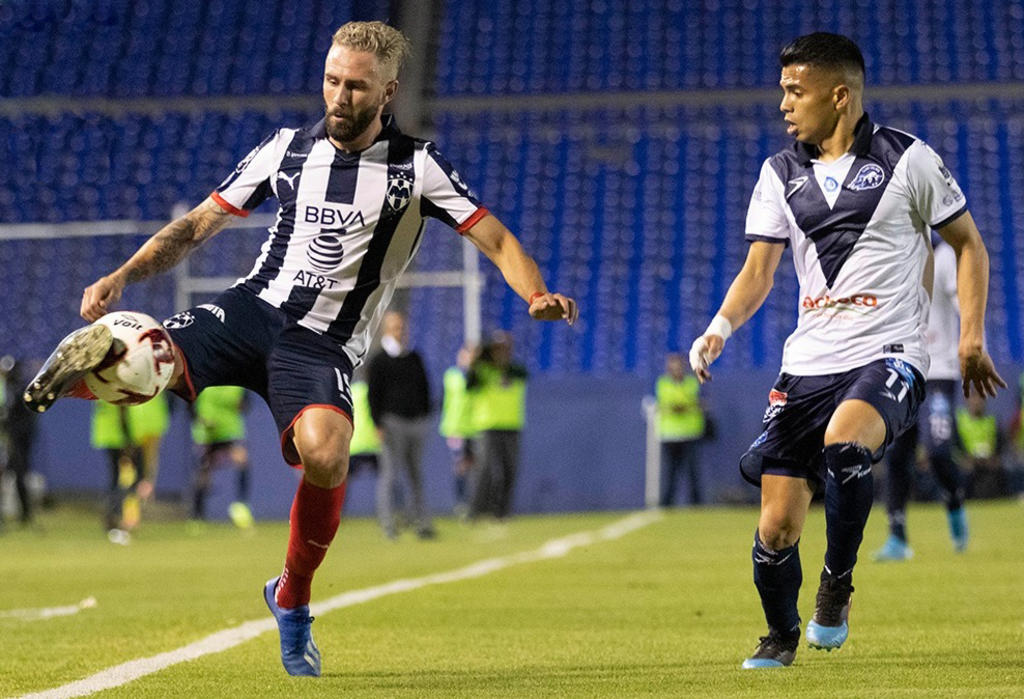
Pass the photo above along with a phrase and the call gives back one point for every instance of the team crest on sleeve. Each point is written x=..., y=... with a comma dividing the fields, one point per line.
x=868, y=177
x=399, y=191
x=179, y=321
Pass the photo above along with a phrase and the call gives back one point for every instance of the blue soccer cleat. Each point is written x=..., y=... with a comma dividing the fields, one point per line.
x=829, y=627
x=894, y=549
x=774, y=650
x=958, y=528
x=299, y=653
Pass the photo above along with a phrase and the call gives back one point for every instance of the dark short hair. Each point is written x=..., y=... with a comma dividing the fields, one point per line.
x=825, y=50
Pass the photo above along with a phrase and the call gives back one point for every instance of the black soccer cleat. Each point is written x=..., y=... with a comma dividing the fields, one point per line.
x=75, y=356
x=828, y=629
x=777, y=649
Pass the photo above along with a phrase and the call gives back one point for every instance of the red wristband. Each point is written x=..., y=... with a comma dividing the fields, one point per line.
x=536, y=295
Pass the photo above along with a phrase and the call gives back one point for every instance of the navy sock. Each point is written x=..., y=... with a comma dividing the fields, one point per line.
x=242, y=489
x=900, y=462
x=849, y=490
x=898, y=524
x=777, y=576
x=948, y=476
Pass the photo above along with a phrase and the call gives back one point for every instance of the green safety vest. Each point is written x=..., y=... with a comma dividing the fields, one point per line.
x=150, y=419
x=456, y=414
x=675, y=425
x=979, y=435
x=364, y=432
x=106, y=432
x=219, y=415
x=498, y=403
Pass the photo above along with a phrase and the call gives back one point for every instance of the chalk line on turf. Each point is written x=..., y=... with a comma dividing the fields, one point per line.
x=126, y=672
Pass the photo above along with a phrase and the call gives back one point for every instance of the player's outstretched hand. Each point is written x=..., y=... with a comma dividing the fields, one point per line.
x=100, y=296
x=977, y=369
x=704, y=350
x=554, y=307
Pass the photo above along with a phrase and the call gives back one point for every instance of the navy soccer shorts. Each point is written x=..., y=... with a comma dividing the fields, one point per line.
x=240, y=340
x=800, y=407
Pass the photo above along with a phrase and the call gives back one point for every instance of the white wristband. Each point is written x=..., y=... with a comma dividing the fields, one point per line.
x=720, y=326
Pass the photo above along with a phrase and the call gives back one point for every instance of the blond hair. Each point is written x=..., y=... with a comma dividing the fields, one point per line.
x=390, y=46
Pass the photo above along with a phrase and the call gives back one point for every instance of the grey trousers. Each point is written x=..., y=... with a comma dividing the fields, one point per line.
x=497, y=460
x=401, y=452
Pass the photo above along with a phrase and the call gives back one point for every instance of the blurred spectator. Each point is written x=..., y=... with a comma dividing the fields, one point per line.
x=1017, y=441
x=218, y=427
x=399, y=397
x=457, y=425
x=497, y=387
x=18, y=427
x=681, y=425
x=131, y=438
x=364, y=450
x=982, y=442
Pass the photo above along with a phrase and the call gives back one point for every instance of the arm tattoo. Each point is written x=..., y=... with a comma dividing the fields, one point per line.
x=174, y=241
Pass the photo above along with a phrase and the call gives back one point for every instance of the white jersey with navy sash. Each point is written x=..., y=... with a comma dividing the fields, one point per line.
x=347, y=226
x=859, y=229
x=943, y=334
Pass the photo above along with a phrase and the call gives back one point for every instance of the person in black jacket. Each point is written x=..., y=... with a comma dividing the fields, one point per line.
x=399, y=396
x=19, y=426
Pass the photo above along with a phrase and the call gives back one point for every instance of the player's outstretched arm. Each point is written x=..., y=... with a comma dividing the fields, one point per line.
x=520, y=271
x=746, y=294
x=976, y=366
x=166, y=248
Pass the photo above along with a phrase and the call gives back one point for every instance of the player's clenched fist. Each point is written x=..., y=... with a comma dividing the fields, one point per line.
x=99, y=297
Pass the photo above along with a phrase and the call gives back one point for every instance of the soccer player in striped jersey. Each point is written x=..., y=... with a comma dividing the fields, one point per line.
x=353, y=194
x=855, y=201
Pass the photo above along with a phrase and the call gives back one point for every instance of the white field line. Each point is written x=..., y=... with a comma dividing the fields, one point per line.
x=47, y=612
x=124, y=673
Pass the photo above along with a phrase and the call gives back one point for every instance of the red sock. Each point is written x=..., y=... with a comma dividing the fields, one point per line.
x=79, y=390
x=314, y=520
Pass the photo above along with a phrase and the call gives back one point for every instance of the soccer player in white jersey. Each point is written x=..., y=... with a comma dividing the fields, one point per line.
x=855, y=202
x=937, y=422
x=353, y=193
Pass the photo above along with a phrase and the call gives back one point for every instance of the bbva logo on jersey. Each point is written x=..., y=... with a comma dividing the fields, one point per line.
x=868, y=177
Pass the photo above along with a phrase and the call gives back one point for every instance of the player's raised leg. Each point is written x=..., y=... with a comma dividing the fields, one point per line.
x=321, y=438
x=777, y=572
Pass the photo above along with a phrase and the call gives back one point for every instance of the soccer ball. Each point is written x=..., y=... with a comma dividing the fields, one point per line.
x=139, y=364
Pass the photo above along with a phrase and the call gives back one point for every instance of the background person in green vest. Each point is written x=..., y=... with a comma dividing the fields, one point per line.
x=681, y=425
x=364, y=450
x=457, y=425
x=123, y=433
x=497, y=388
x=982, y=442
x=218, y=428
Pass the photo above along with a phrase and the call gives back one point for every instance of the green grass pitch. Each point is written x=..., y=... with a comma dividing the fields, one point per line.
x=668, y=610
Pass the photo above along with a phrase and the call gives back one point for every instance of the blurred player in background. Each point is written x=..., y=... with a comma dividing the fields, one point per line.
x=218, y=428
x=122, y=432
x=353, y=194
x=457, y=425
x=855, y=201
x=937, y=422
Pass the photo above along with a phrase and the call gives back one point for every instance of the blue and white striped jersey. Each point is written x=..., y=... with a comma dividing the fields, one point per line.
x=859, y=229
x=348, y=224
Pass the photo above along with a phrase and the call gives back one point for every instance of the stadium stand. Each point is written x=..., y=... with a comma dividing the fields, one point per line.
x=638, y=209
